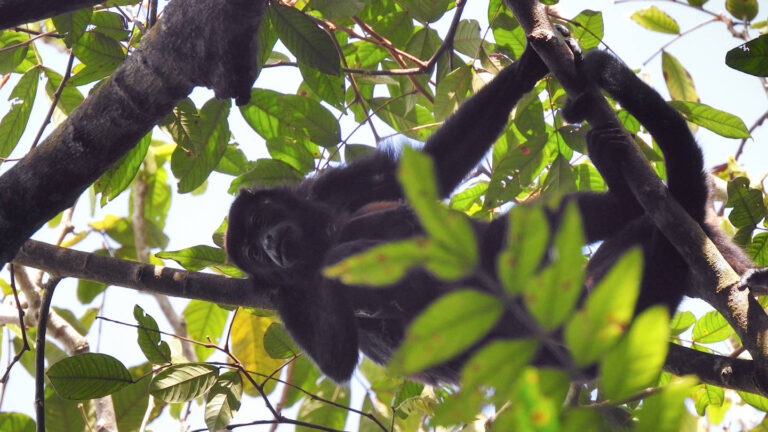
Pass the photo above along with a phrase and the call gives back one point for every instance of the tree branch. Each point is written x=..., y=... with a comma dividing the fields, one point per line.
x=198, y=42
x=65, y=262
x=733, y=373
x=15, y=12
x=717, y=282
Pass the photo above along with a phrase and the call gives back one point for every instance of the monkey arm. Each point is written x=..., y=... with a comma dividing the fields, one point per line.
x=685, y=176
x=466, y=136
x=456, y=147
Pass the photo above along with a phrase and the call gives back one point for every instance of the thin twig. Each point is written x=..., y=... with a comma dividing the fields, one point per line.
x=42, y=323
x=27, y=42
x=679, y=36
x=55, y=101
x=25, y=342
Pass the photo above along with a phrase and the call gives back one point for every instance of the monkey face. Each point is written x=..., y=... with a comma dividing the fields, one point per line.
x=277, y=237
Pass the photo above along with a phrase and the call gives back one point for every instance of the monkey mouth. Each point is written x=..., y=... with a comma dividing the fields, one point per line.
x=280, y=254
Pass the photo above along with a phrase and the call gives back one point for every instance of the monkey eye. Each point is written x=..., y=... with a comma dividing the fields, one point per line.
x=252, y=252
x=254, y=221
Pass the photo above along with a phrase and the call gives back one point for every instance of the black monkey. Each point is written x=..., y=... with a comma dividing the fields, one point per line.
x=666, y=276
x=283, y=237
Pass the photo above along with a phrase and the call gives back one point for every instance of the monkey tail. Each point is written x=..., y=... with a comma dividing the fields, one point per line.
x=686, y=179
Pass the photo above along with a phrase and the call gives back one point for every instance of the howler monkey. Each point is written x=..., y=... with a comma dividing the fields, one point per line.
x=283, y=237
x=666, y=276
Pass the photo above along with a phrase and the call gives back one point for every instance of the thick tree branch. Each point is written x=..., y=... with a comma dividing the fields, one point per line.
x=65, y=262
x=15, y=12
x=718, y=283
x=198, y=42
x=733, y=373
x=723, y=371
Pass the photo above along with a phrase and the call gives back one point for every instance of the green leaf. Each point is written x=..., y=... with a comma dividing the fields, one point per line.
x=635, y=363
x=609, y=308
x=278, y=343
x=381, y=265
x=757, y=401
x=758, y=249
x=329, y=88
x=404, y=119
x=446, y=328
x=88, y=290
x=158, y=198
x=708, y=395
x=719, y=122
x=742, y=9
x=397, y=26
x=297, y=153
x=508, y=32
x=223, y=401
x=665, y=411
x=467, y=40
x=304, y=39
x=182, y=124
x=204, y=320
x=426, y=11
x=22, y=99
x=590, y=32
x=131, y=401
x=681, y=322
x=556, y=289
x=212, y=135
x=273, y=114
x=537, y=404
x=62, y=415
x=233, y=162
x=515, y=165
x=267, y=173
x=464, y=200
x=751, y=57
x=110, y=24
x=16, y=422
x=155, y=350
x=73, y=25
x=88, y=376
x=655, y=19
x=199, y=257
x=710, y=328
x=120, y=175
x=449, y=232
x=452, y=91
x=100, y=55
x=319, y=412
x=182, y=383
x=70, y=318
x=12, y=58
x=337, y=9
x=679, y=81
x=70, y=97
x=498, y=364
x=747, y=203
x=305, y=377
x=527, y=242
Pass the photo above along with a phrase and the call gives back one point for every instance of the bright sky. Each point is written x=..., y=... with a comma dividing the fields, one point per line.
x=192, y=219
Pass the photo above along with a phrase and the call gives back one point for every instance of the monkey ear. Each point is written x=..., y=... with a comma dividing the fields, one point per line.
x=321, y=321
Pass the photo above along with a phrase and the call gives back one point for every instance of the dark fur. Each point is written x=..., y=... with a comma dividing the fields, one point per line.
x=666, y=276
x=331, y=217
